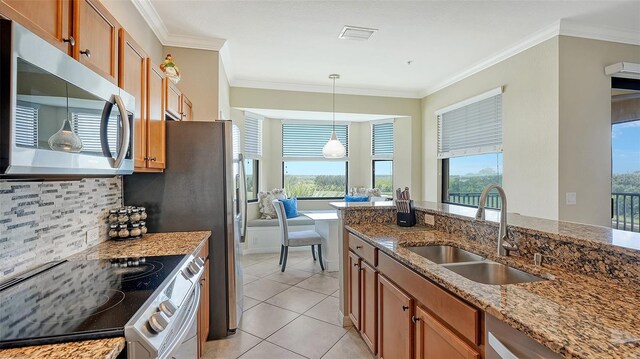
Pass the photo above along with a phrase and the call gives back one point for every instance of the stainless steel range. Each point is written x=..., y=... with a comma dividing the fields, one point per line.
x=152, y=302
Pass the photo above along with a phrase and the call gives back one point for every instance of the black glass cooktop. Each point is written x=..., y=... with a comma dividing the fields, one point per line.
x=79, y=300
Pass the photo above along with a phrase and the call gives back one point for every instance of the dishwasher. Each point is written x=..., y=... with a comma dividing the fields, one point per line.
x=506, y=342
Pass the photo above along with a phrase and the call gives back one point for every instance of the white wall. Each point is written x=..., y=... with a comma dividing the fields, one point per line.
x=530, y=128
x=585, y=126
x=223, y=93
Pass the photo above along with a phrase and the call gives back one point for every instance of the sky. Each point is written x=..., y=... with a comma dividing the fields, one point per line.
x=625, y=142
x=459, y=166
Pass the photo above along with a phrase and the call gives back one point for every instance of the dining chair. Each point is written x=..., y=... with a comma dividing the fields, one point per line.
x=296, y=238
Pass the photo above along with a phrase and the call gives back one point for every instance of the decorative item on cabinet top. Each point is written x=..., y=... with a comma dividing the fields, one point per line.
x=127, y=223
x=170, y=69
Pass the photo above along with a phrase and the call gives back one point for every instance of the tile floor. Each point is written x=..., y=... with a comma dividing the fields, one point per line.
x=289, y=315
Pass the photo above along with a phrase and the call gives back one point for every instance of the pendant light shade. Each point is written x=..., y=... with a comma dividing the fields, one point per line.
x=333, y=148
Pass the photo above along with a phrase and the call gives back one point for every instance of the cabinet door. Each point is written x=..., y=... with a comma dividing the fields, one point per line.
x=368, y=305
x=353, y=295
x=203, y=313
x=156, y=135
x=186, y=109
x=394, y=321
x=133, y=79
x=433, y=340
x=47, y=19
x=173, y=100
x=96, y=34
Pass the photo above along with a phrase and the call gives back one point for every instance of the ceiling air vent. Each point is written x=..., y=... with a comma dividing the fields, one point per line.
x=356, y=33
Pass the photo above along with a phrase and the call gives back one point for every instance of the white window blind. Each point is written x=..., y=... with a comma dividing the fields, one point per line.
x=307, y=139
x=235, y=135
x=253, y=136
x=26, y=126
x=87, y=127
x=382, y=140
x=470, y=127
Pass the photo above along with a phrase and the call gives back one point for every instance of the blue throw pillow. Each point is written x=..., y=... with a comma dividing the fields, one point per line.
x=290, y=207
x=356, y=199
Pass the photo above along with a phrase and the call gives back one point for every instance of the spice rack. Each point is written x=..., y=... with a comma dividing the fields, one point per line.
x=127, y=223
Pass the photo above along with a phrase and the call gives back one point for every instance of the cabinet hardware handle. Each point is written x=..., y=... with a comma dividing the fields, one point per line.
x=414, y=319
x=152, y=159
x=404, y=308
x=361, y=269
x=86, y=53
x=355, y=264
x=358, y=247
x=70, y=40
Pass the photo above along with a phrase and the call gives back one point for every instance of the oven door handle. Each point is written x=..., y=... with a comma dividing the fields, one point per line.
x=184, y=329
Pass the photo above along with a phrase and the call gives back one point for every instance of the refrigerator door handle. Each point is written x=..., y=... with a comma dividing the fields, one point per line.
x=243, y=198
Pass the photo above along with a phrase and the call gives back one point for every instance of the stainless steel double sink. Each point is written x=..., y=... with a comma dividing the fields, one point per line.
x=473, y=266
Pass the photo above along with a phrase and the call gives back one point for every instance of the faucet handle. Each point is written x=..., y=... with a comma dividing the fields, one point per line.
x=480, y=213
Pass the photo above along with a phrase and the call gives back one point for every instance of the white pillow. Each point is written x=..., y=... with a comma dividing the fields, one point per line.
x=265, y=199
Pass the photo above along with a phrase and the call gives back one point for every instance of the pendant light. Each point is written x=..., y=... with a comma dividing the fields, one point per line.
x=333, y=148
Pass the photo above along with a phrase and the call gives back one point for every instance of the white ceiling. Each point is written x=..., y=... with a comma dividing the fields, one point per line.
x=294, y=44
x=316, y=115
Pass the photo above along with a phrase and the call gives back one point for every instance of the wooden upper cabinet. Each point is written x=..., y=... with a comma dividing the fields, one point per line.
x=353, y=291
x=96, y=33
x=156, y=127
x=368, y=305
x=394, y=321
x=48, y=19
x=433, y=340
x=173, y=99
x=187, y=109
x=133, y=79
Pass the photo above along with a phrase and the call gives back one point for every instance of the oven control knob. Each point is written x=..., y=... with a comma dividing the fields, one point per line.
x=158, y=322
x=168, y=308
x=193, y=268
x=199, y=261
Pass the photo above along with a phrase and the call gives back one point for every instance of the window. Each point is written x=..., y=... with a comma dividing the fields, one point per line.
x=26, y=126
x=252, y=153
x=84, y=125
x=305, y=172
x=470, y=145
x=382, y=153
x=315, y=179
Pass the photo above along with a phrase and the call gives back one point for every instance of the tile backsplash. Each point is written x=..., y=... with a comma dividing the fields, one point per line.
x=44, y=221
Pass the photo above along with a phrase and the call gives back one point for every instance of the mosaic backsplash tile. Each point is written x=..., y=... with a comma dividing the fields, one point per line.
x=45, y=221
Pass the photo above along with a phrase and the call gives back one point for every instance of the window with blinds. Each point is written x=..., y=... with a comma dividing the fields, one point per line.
x=382, y=140
x=253, y=136
x=84, y=125
x=26, y=126
x=305, y=140
x=471, y=127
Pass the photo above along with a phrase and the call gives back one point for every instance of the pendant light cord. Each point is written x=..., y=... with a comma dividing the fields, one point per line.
x=334, y=104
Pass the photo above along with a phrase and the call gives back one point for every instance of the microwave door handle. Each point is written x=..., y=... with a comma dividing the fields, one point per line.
x=124, y=143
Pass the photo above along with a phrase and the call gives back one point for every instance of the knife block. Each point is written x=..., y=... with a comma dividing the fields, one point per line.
x=407, y=219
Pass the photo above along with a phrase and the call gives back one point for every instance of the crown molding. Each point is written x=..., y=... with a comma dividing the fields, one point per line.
x=151, y=16
x=575, y=29
x=269, y=85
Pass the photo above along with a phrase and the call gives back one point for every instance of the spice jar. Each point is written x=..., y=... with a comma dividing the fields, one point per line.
x=143, y=227
x=143, y=213
x=122, y=216
x=113, y=216
x=113, y=230
x=123, y=232
x=135, y=230
x=135, y=215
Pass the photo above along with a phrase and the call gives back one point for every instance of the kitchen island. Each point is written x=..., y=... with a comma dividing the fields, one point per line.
x=153, y=244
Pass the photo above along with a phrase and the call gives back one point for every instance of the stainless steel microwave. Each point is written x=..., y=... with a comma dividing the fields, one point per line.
x=57, y=117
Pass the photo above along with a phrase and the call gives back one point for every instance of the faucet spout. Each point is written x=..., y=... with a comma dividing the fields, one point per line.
x=504, y=245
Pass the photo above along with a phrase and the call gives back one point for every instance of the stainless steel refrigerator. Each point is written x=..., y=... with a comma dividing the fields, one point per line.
x=202, y=188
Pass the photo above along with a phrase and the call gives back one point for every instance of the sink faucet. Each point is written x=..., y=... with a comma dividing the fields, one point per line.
x=504, y=245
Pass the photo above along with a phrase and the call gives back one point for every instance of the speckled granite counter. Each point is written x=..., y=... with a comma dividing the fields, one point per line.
x=154, y=244
x=572, y=314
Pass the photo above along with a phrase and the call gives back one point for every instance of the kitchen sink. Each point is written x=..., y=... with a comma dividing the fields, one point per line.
x=492, y=273
x=445, y=254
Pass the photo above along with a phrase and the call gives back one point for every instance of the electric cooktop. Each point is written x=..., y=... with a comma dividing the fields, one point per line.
x=79, y=300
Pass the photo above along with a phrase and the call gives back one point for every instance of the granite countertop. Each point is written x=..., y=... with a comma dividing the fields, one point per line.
x=574, y=315
x=153, y=244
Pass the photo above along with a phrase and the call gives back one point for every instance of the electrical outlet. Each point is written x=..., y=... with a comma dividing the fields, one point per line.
x=93, y=235
x=429, y=219
x=571, y=198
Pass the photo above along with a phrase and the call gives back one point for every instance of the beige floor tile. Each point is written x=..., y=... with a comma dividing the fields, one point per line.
x=290, y=276
x=320, y=283
x=266, y=350
x=262, y=269
x=307, y=336
x=327, y=311
x=336, y=294
x=247, y=278
x=335, y=274
x=263, y=289
x=230, y=347
x=349, y=346
x=308, y=265
x=265, y=319
x=296, y=299
x=249, y=302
